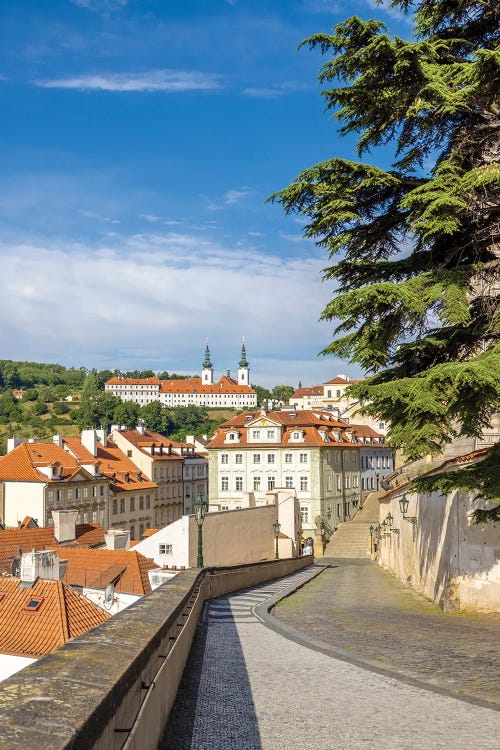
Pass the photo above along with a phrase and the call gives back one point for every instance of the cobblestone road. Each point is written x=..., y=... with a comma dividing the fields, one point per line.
x=247, y=687
x=358, y=607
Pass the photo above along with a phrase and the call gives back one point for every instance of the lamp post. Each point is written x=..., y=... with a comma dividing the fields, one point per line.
x=200, y=510
x=372, y=529
x=276, y=527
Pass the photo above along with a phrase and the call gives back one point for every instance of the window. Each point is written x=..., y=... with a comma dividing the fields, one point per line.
x=166, y=549
x=255, y=434
x=288, y=482
x=231, y=436
x=101, y=488
x=115, y=507
x=132, y=532
x=363, y=483
x=381, y=425
x=295, y=435
x=77, y=493
x=85, y=492
x=129, y=453
x=256, y=484
x=303, y=483
x=238, y=459
x=141, y=503
x=256, y=458
x=122, y=505
x=339, y=392
x=303, y=458
x=70, y=494
x=304, y=513
x=148, y=502
x=288, y=458
x=132, y=504
x=378, y=462
x=271, y=458
x=270, y=434
x=238, y=483
x=141, y=530
x=271, y=483
x=329, y=393
x=34, y=604
x=224, y=483
x=94, y=491
x=59, y=494
x=224, y=458
x=362, y=462
x=339, y=483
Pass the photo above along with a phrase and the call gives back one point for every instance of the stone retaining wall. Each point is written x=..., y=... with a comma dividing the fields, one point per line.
x=114, y=687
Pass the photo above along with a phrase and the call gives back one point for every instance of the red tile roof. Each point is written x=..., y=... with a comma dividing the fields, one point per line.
x=194, y=385
x=63, y=614
x=23, y=463
x=132, y=381
x=123, y=473
x=28, y=538
x=148, y=439
x=312, y=423
x=313, y=390
x=86, y=567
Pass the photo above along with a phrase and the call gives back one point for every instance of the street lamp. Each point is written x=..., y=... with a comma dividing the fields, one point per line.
x=372, y=529
x=276, y=527
x=200, y=511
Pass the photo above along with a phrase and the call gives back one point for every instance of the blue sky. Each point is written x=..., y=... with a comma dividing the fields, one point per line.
x=139, y=141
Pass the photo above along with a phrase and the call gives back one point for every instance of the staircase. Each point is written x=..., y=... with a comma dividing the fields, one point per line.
x=352, y=538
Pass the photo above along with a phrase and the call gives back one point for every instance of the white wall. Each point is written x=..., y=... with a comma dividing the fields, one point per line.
x=23, y=499
x=445, y=556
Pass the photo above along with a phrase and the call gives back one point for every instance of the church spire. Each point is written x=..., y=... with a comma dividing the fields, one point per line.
x=206, y=361
x=243, y=360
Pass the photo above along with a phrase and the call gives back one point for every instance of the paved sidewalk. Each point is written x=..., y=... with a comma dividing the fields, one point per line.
x=246, y=687
x=359, y=608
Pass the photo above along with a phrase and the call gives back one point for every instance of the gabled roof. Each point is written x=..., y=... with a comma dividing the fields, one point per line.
x=146, y=439
x=86, y=567
x=62, y=615
x=312, y=423
x=313, y=390
x=123, y=473
x=23, y=463
x=194, y=385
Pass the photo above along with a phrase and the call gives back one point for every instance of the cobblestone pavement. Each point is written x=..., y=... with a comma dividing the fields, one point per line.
x=357, y=607
x=247, y=687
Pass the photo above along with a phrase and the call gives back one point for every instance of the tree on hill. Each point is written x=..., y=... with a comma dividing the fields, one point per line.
x=414, y=247
x=282, y=393
x=263, y=394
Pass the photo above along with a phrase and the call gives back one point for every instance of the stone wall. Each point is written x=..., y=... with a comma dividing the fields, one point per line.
x=444, y=555
x=114, y=687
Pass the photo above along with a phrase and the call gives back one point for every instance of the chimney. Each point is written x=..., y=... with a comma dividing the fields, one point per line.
x=64, y=525
x=89, y=441
x=102, y=437
x=57, y=440
x=13, y=442
x=117, y=539
x=228, y=373
x=36, y=565
x=140, y=428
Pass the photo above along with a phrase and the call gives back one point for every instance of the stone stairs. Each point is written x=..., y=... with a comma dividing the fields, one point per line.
x=352, y=538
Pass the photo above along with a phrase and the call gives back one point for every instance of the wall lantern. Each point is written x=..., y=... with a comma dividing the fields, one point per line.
x=276, y=527
x=403, y=506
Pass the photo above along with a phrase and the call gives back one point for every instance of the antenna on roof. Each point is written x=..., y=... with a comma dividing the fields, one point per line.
x=109, y=595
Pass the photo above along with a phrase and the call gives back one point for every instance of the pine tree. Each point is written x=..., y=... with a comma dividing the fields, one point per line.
x=414, y=248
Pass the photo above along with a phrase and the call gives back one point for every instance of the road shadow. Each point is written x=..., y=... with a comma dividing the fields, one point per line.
x=214, y=708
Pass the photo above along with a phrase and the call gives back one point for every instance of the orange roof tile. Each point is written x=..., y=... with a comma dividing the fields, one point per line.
x=311, y=422
x=194, y=385
x=149, y=532
x=63, y=614
x=28, y=538
x=124, y=474
x=149, y=438
x=132, y=381
x=313, y=390
x=86, y=566
x=23, y=463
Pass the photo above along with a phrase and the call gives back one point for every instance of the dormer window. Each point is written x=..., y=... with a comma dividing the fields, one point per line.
x=296, y=435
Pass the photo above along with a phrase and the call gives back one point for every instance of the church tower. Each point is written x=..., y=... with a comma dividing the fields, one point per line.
x=243, y=369
x=207, y=374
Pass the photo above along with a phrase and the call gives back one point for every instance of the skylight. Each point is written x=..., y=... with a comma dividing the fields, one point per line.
x=34, y=604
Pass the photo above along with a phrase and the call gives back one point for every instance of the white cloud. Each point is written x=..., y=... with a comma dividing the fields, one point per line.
x=234, y=196
x=153, y=298
x=263, y=93
x=151, y=218
x=155, y=80
x=294, y=237
x=100, y=6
